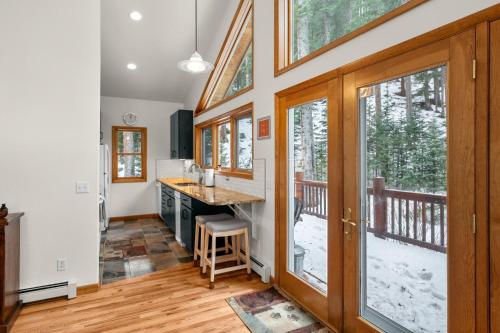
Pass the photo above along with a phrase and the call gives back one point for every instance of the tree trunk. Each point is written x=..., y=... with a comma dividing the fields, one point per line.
x=307, y=141
x=303, y=47
x=326, y=27
x=427, y=100
x=437, y=90
x=129, y=147
x=409, y=102
x=443, y=80
x=378, y=100
x=402, y=90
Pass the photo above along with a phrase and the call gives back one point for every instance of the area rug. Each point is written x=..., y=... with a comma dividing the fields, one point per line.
x=270, y=312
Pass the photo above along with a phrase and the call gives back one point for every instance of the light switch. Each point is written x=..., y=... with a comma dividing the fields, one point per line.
x=82, y=187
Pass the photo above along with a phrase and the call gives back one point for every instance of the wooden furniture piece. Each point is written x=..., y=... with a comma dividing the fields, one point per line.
x=9, y=270
x=181, y=135
x=234, y=228
x=199, y=234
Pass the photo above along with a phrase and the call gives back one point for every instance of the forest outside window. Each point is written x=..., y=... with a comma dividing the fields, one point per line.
x=206, y=146
x=307, y=28
x=226, y=143
x=233, y=72
x=129, y=162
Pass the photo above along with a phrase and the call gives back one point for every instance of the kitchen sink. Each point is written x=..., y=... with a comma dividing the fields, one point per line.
x=186, y=184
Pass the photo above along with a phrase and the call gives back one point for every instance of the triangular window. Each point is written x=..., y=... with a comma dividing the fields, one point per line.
x=233, y=72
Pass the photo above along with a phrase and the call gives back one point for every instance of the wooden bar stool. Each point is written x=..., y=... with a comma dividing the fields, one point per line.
x=234, y=228
x=199, y=234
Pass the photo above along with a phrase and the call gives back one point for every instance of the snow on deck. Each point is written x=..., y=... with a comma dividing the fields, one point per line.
x=405, y=282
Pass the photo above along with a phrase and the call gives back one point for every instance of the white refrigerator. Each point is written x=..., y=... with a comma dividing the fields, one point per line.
x=104, y=185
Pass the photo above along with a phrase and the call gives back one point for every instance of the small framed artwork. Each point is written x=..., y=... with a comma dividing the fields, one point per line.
x=264, y=128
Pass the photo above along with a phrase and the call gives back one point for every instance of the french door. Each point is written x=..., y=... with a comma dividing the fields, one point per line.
x=375, y=184
x=408, y=200
x=309, y=262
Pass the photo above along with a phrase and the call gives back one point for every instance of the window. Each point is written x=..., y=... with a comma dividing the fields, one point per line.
x=224, y=145
x=206, y=146
x=227, y=140
x=129, y=154
x=307, y=28
x=244, y=131
x=233, y=72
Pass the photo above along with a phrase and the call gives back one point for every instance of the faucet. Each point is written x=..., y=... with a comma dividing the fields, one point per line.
x=200, y=174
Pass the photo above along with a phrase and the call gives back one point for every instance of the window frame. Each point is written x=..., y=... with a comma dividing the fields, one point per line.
x=202, y=146
x=232, y=118
x=245, y=9
x=114, y=155
x=283, y=34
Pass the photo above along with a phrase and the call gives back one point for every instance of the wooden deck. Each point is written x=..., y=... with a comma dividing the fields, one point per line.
x=173, y=300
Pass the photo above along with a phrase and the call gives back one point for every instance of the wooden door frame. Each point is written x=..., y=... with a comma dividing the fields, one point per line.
x=457, y=53
x=328, y=311
x=494, y=180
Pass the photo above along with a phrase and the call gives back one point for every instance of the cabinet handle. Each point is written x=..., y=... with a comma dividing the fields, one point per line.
x=169, y=202
x=184, y=213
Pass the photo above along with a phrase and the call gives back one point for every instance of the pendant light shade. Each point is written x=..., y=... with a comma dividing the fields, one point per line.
x=195, y=64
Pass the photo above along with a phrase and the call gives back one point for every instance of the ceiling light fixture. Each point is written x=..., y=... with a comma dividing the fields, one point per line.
x=135, y=15
x=195, y=64
x=132, y=66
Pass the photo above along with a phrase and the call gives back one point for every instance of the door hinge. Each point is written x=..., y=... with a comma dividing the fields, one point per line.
x=474, y=224
x=474, y=69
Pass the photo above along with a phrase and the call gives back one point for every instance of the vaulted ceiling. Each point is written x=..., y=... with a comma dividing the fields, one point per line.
x=164, y=36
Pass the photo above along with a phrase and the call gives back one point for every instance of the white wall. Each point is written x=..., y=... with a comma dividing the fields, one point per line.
x=424, y=18
x=138, y=198
x=49, y=133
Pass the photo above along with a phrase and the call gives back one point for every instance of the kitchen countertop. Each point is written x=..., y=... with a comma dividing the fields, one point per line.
x=215, y=196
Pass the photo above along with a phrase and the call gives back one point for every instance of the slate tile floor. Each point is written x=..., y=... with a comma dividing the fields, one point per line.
x=138, y=247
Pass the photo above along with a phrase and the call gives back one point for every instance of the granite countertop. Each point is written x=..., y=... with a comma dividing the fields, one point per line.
x=215, y=196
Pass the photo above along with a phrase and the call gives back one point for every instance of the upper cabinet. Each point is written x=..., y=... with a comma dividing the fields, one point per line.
x=181, y=135
x=233, y=72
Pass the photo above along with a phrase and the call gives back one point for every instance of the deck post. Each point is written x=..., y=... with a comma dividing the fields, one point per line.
x=299, y=185
x=380, y=207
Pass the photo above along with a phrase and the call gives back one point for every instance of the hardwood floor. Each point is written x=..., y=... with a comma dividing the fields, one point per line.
x=173, y=300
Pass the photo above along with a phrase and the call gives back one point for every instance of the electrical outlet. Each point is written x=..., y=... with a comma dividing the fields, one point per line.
x=61, y=264
x=82, y=187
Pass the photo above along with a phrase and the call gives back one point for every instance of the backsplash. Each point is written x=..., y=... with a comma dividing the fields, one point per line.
x=169, y=168
x=255, y=186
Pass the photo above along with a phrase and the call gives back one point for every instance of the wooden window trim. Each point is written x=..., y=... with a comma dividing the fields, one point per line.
x=282, y=34
x=114, y=155
x=230, y=117
x=245, y=9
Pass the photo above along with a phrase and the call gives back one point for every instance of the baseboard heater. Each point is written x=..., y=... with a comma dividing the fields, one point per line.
x=262, y=270
x=35, y=294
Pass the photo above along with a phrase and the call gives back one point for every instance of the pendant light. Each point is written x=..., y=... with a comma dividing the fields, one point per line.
x=195, y=64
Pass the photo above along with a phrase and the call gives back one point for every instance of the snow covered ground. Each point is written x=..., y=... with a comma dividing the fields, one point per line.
x=406, y=283
x=310, y=233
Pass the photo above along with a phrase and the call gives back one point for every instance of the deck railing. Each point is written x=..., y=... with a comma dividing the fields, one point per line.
x=411, y=217
x=314, y=195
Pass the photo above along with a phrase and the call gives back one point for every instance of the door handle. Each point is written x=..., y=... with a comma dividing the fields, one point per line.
x=348, y=223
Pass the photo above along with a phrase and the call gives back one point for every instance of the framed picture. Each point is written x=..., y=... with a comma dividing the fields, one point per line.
x=264, y=128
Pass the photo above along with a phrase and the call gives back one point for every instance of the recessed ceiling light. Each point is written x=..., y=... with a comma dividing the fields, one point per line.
x=132, y=66
x=136, y=16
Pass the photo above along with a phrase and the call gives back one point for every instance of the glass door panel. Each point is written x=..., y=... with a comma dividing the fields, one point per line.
x=307, y=225
x=403, y=188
